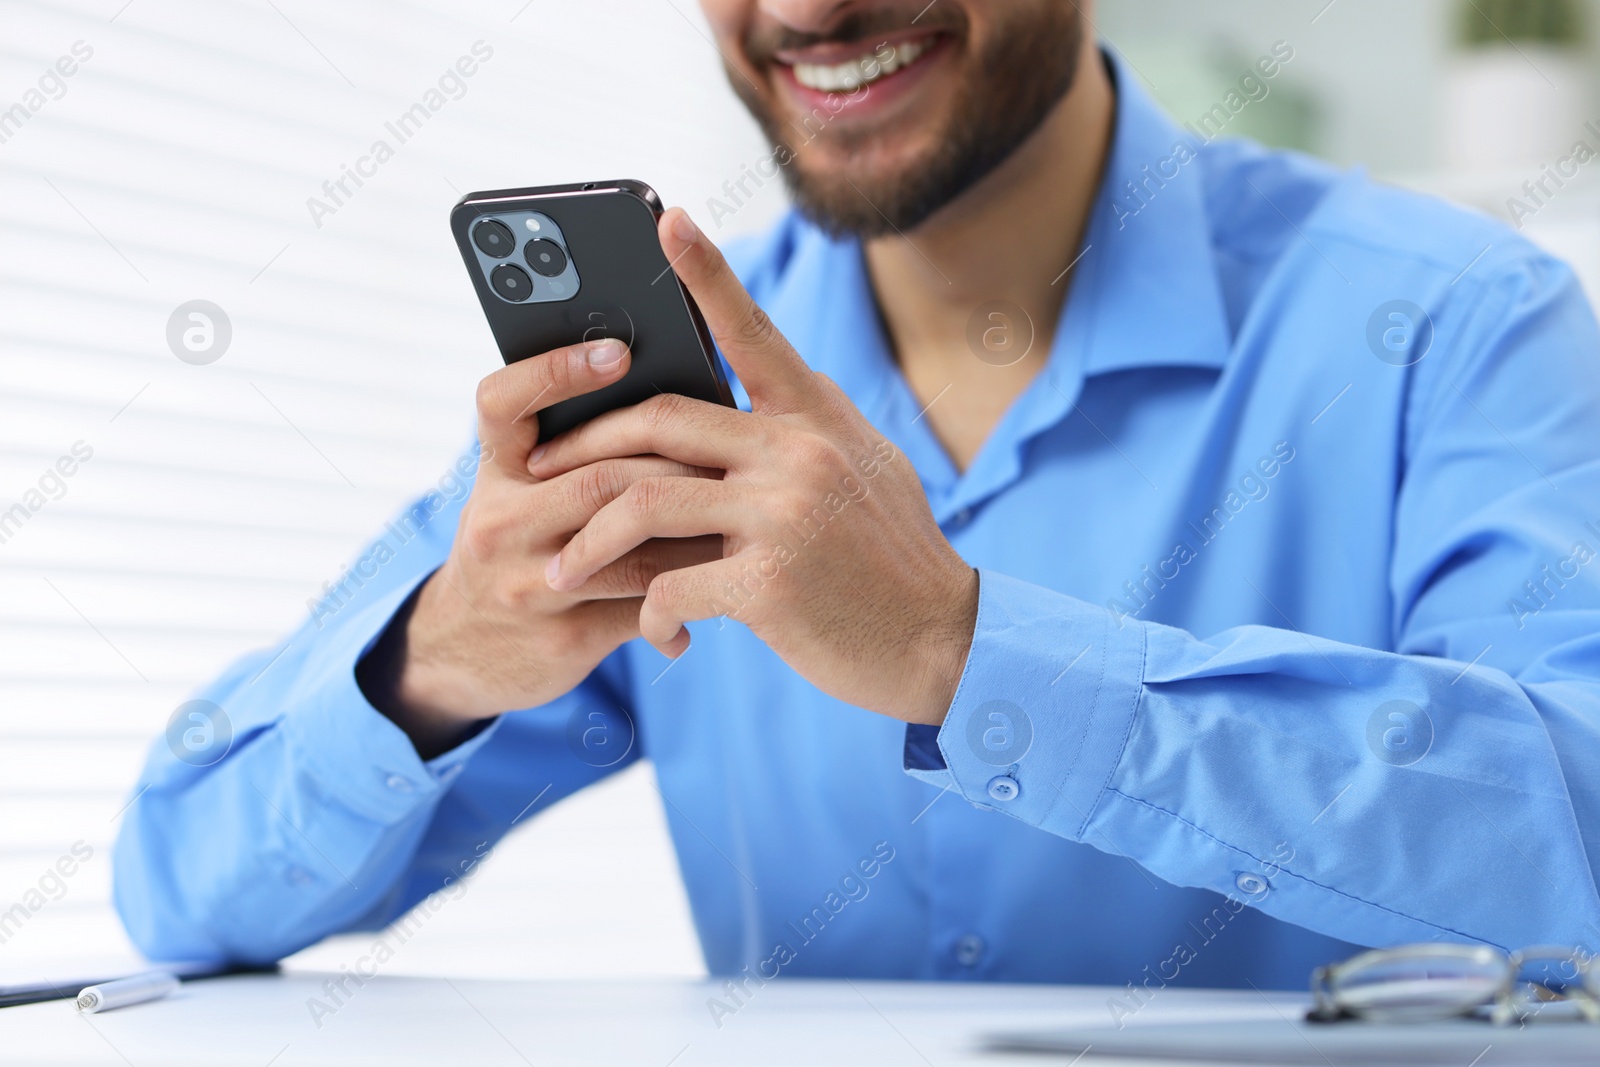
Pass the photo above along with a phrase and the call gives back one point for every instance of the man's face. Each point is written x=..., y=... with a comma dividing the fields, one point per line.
x=886, y=110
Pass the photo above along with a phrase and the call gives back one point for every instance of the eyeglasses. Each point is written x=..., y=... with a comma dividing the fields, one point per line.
x=1421, y=983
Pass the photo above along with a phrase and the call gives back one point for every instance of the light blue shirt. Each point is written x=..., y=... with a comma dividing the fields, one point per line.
x=1288, y=639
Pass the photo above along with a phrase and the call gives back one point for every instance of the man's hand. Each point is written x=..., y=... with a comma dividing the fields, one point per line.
x=830, y=553
x=486, y=633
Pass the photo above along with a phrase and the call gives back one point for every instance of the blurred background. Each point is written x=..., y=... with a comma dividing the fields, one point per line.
x=183, y=159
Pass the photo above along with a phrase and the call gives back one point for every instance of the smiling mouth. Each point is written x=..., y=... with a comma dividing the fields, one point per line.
x=867, y=66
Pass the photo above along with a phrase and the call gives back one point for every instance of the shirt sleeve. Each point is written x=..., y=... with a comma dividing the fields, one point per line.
x=280, y=806
x=1444, y=788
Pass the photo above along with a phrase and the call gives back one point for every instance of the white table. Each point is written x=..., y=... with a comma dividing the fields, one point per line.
x=264, y=1019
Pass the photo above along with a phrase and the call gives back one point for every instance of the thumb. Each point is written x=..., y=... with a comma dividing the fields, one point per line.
x=771, y=370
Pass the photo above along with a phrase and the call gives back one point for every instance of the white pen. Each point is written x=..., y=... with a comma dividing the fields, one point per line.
x=152, y=985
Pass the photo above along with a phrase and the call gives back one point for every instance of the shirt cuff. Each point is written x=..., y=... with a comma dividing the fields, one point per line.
x=351, y=750
x=1044, y=706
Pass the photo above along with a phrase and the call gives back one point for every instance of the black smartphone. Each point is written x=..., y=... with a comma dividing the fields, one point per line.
x=561, y=264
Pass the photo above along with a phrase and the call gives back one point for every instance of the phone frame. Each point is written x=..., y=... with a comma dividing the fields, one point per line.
x=473, y=206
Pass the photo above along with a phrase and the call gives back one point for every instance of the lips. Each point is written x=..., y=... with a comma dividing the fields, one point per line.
x=860, y=70
x=862, y=78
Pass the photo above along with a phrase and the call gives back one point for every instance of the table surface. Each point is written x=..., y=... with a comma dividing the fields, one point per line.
x=261, y=1020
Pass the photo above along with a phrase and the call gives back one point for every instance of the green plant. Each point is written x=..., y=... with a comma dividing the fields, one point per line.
x=1491, y=22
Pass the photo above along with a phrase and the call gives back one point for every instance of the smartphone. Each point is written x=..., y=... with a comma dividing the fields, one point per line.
x=561, y=264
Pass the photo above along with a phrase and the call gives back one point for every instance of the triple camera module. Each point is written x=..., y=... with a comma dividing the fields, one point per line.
x=511, y=246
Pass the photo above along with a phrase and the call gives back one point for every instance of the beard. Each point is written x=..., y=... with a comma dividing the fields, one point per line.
x=996, y=109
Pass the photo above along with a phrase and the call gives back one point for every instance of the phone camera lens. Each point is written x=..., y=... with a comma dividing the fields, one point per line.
x=511, y=282
x=494, y=238
x=546, y=257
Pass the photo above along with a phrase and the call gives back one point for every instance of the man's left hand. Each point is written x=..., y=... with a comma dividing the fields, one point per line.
x=831, y=554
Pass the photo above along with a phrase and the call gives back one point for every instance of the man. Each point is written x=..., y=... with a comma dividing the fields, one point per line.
x=1208, y=525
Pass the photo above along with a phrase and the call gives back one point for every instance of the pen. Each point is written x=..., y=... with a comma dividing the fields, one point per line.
x=152, y=985
x=60, y=988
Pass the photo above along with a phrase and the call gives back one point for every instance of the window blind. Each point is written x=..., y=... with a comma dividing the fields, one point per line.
x=204, y=151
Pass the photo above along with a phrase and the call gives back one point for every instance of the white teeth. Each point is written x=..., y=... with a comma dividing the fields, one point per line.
x=863, y=70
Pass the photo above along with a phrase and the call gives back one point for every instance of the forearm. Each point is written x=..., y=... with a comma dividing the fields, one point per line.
x=1215, y=763
x=292, y=827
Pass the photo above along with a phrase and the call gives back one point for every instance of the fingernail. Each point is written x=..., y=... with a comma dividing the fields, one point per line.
x=552, y=570
x=606, y=352
x=683, y=227
x=533, y=457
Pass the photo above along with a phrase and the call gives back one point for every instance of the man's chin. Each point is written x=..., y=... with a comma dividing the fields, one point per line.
x=921, y=134
x=864, y=190
x=876, y=162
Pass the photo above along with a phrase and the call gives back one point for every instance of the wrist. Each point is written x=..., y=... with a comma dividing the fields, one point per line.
x=945, y=648
x=406, y=685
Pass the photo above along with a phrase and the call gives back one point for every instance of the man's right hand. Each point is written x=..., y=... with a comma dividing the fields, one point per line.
x=486, y=634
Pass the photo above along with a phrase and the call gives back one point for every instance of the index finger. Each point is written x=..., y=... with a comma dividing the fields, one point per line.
x=773, y=373
x=510, y=399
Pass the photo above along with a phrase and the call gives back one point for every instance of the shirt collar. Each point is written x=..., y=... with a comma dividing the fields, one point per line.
x=1145, y=292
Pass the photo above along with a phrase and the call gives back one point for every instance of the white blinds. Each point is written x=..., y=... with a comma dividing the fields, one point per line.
x=173, y=164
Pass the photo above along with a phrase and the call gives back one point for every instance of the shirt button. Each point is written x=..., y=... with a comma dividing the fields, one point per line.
x=298, y=876
x=1004, y=788
x=962, y=517
x=399, y=783
x=969, y=950
x=1251, y=885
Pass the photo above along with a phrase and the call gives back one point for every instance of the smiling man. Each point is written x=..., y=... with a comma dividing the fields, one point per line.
x=1184, y=596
